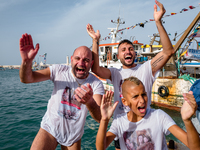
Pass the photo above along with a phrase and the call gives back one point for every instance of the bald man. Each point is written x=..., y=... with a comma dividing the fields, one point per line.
x=75, y=92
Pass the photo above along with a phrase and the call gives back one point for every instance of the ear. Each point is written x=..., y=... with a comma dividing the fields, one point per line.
x=124, y=101
x=92, y=63
x=118, y=56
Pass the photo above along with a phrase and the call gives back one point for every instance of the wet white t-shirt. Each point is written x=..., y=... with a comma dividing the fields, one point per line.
x=65, y=116
x=142, y=72
x=146, y=134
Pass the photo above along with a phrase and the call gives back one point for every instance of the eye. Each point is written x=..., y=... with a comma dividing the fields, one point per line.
x=131, y=49
x=144, y=94
x=123, y=49
x=135, y=96
x=87, y=60
x=76, y=58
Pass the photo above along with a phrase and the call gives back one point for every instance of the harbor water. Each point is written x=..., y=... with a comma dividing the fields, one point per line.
x=22, y=107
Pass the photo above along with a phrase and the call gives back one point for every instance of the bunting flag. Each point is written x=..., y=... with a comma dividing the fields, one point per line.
x=173, y=13
x=196, y=32
x=150, y=20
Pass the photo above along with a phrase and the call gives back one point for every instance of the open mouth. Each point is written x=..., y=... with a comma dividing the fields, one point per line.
x=128, y=58
x=80, y=69
x=142, y=109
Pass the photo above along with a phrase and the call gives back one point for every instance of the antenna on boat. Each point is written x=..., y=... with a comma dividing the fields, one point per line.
x=114, y=31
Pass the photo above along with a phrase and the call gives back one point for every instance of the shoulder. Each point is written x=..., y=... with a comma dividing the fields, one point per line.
x=59, y=68
x=121, y=116
x=154, y=112
x=113, y=70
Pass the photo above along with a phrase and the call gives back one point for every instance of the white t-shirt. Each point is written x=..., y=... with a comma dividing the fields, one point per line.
x=65, y=116
x=146, y=134
x=142, y=72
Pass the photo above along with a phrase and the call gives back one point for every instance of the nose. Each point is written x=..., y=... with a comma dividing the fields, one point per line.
x=141, y=99
x=81, y=62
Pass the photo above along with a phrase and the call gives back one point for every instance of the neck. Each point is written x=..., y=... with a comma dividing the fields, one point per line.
x=128, y=67
x=132, y=117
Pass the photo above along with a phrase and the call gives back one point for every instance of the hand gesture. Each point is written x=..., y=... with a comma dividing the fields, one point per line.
x=91, y=32
x=106, y=106
x=84, y=94
x=158, y=14
x=189, y=106
x=27, y=51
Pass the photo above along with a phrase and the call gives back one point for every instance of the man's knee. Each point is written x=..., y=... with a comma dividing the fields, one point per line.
x=44, y=140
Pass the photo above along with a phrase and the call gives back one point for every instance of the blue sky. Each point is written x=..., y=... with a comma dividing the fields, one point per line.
x=59, y=26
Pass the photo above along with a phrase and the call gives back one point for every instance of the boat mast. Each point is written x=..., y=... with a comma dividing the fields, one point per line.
x=183, y=37
x=114, y=31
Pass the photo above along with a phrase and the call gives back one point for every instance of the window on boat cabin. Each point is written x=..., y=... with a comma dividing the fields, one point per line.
x=101, y=49
x=135, y=47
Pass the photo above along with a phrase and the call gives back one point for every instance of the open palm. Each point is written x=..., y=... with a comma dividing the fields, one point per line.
x=27, y=50
x=106, y=106
x=189, y=106
x=158, y=14
x=92, y=33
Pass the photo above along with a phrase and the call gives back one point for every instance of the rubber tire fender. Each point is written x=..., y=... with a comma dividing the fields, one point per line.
x=104, y=57
x=161, y=89
x=114, y=57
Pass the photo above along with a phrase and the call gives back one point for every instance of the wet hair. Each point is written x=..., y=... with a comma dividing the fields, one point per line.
x=125, y=41
x=134, y=80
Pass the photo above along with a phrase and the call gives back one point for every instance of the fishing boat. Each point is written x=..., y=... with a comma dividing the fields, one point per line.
x=41, y=65
x=168, y=88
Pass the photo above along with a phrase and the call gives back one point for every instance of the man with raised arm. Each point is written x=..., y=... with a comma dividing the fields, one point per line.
x=146, y=72
x=75, y=92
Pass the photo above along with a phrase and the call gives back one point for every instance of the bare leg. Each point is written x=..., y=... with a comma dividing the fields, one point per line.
x=44, y=141
x=75, y=146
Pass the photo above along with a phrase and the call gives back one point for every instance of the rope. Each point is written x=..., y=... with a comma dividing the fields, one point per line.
x=187, y=78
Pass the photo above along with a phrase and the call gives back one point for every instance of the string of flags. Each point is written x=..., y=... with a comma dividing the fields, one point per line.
x=150, y=20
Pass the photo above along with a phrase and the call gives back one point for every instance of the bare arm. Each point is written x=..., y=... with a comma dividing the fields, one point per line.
x=161, y=58
x=28, y=53
x=104, y=139
x=187, y=111
x=179, y=134
x=191, y=138
x=98, y=70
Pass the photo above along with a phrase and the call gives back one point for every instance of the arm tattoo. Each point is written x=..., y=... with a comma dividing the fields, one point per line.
x=157, y=61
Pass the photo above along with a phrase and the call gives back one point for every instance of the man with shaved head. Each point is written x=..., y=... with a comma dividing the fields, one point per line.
x=75, y=92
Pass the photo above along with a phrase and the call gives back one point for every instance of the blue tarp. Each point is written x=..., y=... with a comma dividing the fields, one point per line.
x=195, y=88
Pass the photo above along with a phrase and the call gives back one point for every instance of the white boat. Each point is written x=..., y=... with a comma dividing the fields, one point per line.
x=167, y=90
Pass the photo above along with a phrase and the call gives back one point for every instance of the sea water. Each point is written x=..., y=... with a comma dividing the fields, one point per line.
x=22, y=107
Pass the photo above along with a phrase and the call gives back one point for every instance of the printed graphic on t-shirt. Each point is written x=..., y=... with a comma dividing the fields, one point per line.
x=69, y=107
x=138, y=140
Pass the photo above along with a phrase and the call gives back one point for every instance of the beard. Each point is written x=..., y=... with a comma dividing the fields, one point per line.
x=126, y=64
x=79, y=76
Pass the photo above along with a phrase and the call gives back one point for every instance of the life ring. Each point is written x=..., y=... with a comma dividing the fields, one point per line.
x=105, y=57
x=114, y=57
x=163, y=91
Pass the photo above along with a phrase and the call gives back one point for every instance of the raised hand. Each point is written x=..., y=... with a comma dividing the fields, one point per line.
x=84, y=94
x=94, y=35
x=189, y=106
x=106, y=106
x=27, y=50
x=158, y=14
